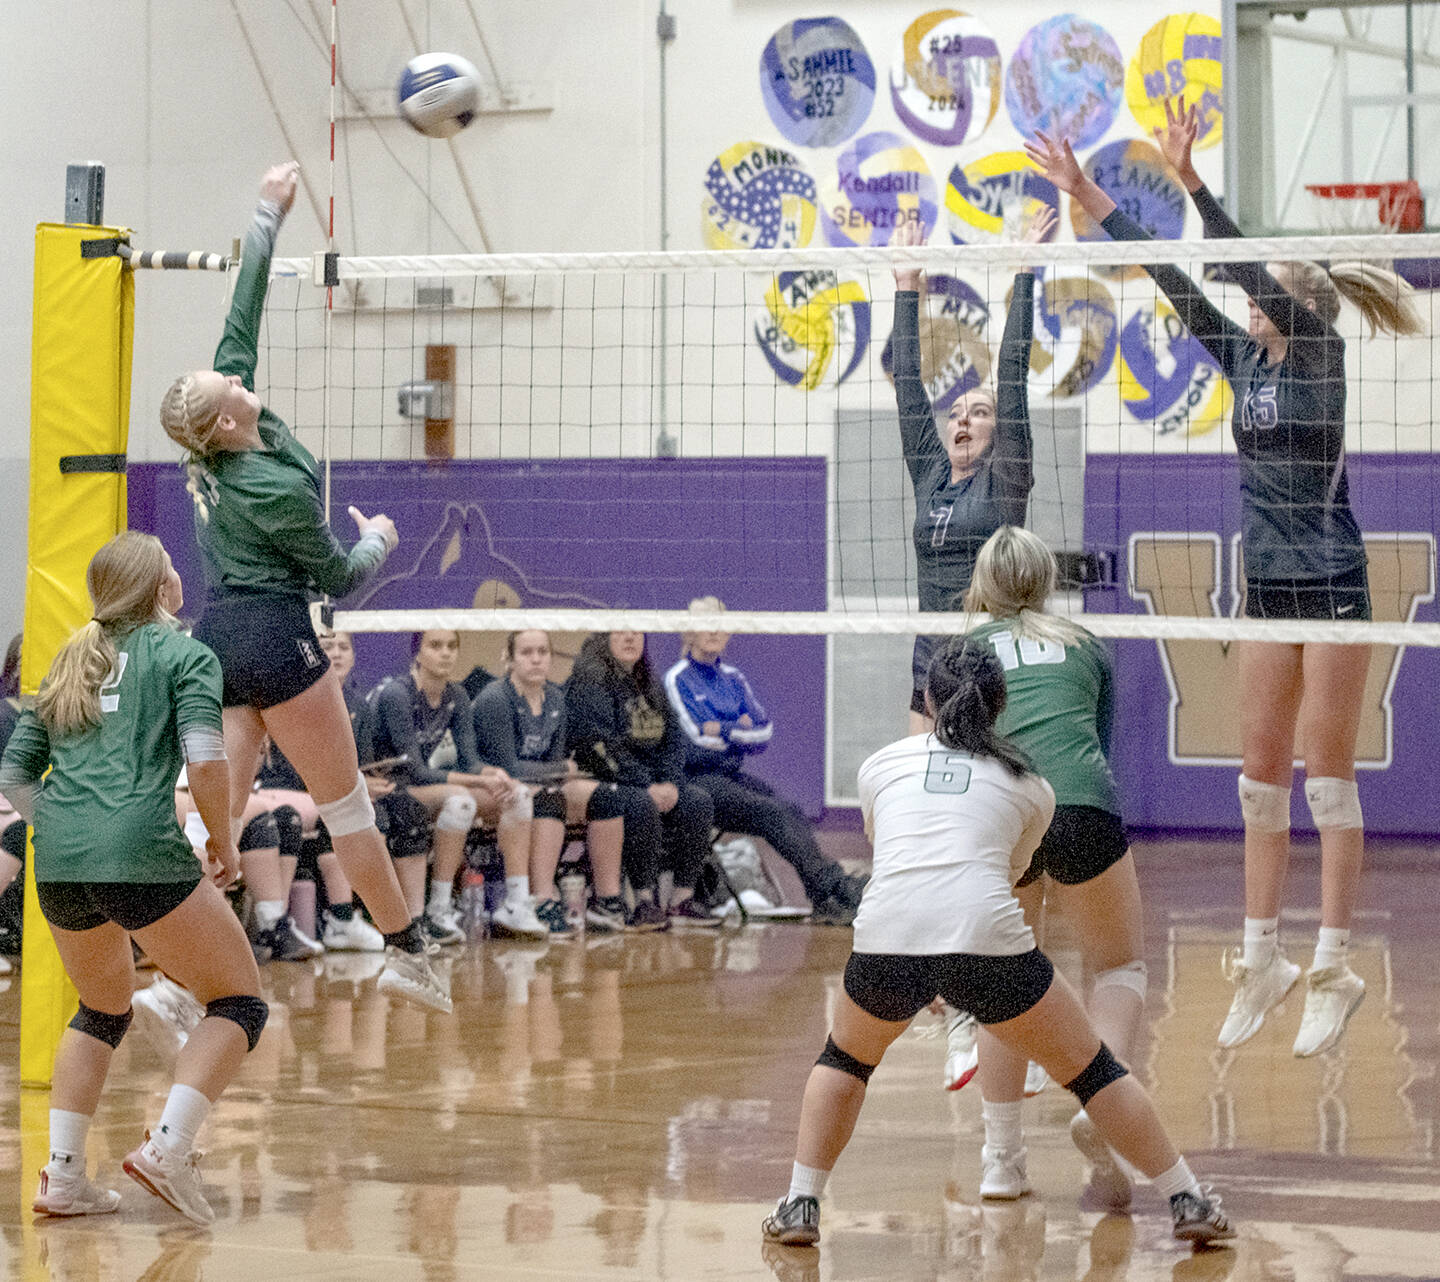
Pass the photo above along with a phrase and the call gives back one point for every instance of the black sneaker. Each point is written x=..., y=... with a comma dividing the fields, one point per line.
x=552, y=916
x=688, y=912
x=1199, y=1220
x=796, y=1222
x=646, y=916
x=606, y=915
x=287, y=943
x=833, y=910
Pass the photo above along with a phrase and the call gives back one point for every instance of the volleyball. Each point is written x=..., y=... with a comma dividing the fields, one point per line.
x=1179, y=57
x=439, y=94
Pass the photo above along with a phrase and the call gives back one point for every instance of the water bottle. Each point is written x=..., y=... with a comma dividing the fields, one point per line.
x=572, y=895
x=475, y=921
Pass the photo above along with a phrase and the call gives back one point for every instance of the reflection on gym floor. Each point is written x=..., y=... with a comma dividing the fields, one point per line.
x=616, y=1107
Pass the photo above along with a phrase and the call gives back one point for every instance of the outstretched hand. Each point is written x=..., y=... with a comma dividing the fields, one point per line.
x=279, y=184
x=1053, y=157
x=1041, y=227
x=909, y=235
x=1182, y=126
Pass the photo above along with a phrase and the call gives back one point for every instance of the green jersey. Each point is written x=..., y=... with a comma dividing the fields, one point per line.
x=1058, y=710
x=259, y=518
x=106, y=810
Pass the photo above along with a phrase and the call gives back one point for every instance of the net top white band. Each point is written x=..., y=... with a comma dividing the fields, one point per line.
x=822, y=623
x=932, y=258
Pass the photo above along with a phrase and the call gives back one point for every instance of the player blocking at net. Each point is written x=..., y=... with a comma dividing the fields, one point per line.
x=128, y=698
x=1304, y=559
x=267, y=546
x=954, y=817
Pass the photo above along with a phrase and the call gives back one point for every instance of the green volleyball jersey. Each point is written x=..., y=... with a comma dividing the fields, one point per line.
x=106, y=810
x=259, y=518
x=1058, y=709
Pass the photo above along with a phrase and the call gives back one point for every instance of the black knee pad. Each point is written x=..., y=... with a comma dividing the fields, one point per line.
x=833, y=1057
x=605, y=803
x=109, y=1029
x=261, y=833
x=12, y=840
x=1096, y=1076
x=549, y=803
x=249, y=1012
x=287, y=824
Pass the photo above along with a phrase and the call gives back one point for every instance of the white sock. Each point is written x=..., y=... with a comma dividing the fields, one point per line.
x=1003, y=1127
x=442, y=898
x=1178, y=1179
x=268, y=913
x=806, y=1181
x=1332, y=948
x=185, y=1112
x=67, y=1143
x=1262, y=942
x=517, y=889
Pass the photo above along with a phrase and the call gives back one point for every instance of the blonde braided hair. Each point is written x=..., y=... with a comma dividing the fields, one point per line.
x=189, y=414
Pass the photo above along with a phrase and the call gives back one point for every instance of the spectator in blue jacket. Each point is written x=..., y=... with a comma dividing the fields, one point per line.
x=724, y=723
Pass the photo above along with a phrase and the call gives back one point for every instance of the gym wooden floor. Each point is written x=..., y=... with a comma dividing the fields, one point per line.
x=625, y=1108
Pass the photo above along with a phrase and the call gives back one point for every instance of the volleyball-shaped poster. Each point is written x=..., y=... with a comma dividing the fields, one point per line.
x=813, y=327
x=949, y=78
x=1167, y=380
x=1135, y=176
x=1179, y=57
x=954, y=351
x=757, y=196
x=998, y=193
x=1065, y=78
x=1075, y=335
x=817, y=81
x=880, y=182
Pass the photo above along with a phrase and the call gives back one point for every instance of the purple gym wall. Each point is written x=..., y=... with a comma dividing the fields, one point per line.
x=1131, y=495
x=638, y=533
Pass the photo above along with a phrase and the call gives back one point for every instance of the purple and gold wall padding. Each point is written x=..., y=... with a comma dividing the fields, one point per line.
x=992, y=196
x=954, y=347
x=1179, y=57
x=813, y=327
x=757, y=196
x=949, y=79
x=1166, y=379
x=881, y=182
x=1134, y=175
x=817, y=81
x=1065, y=78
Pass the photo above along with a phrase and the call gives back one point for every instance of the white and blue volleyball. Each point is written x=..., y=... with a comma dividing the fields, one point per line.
x=439, y=94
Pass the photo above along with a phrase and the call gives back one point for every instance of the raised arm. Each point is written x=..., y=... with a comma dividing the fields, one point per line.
x=1286, y=312
x=295, y=523
x=1220, y=335
x=918, y=438
x=239, y=344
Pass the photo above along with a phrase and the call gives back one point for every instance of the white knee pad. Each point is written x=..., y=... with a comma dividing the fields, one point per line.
x=1133, y=975
x=457, y=814
x=1334, y=803
x=1265, y=807
x=351, y=814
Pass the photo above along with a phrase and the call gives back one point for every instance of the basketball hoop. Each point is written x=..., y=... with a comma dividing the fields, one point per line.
x=1369, y=207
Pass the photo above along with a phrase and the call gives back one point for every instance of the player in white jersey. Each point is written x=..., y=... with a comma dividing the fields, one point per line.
x=954, y=817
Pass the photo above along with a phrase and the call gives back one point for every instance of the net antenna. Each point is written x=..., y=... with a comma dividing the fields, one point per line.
x=1369, y=206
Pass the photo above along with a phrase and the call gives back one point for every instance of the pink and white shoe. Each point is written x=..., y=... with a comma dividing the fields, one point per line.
x=173, y=1179
x=73, y=1197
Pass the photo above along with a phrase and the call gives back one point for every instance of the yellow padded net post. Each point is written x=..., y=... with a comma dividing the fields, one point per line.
x=79, y=422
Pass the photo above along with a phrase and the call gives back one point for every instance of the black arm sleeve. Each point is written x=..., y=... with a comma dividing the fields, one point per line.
x=918, y=438
x=1014, y=451
x=1291, y=317
x=493, y=719
x=1219, y=335
x=1105, y=703
x=397, y=725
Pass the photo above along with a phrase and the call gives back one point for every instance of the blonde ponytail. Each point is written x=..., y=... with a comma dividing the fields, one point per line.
x=125, y=578
x=1014, y=576
x=1383, y=299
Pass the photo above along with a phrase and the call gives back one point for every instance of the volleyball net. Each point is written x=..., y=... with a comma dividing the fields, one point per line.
x=737, y=409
